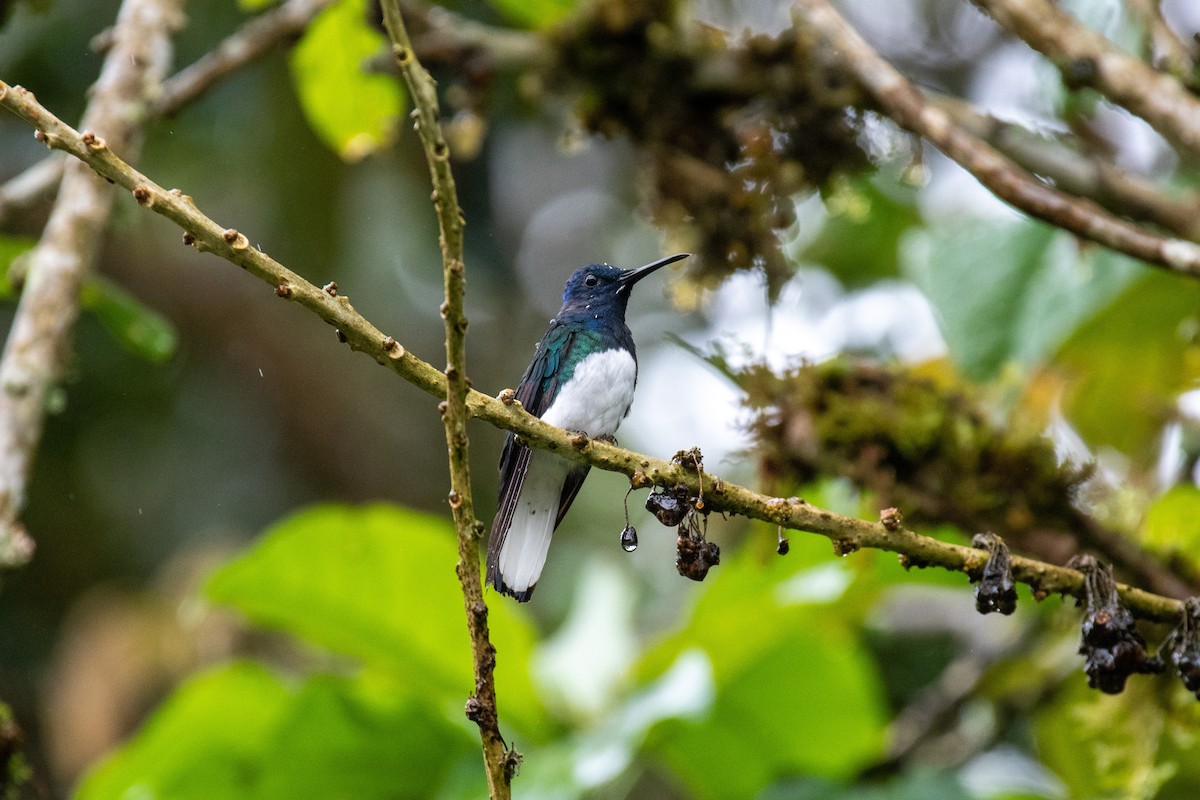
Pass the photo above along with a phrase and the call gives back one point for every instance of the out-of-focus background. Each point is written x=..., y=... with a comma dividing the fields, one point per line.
x=798, y=676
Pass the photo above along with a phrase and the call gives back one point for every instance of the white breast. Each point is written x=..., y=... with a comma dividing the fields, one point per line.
x=598, y=395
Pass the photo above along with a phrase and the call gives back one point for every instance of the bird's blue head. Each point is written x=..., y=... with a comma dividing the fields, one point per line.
x=599, y=289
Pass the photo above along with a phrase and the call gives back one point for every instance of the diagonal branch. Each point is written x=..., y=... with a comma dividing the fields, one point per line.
x=847, y=533
x=908, y=107
x=38, y=344
x=36, y=184
x=1088, y=59
x=481, y=708
x=1167, y=51
x=1073, y=172
x=242, y=47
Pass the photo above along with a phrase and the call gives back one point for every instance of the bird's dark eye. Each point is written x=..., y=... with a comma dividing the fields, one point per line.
x=590, y=280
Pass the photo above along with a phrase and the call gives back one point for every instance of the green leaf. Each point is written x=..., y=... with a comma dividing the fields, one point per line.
x=860, y=240
x=353, y=112
x=356, y=740
x=139, y=328
x=1105, y=746
x=12, y=248
x=378, y=583
x=1172, y=522
x=206, y=741
x=795, y=692
x=918, y=784
x=256, y=5
x=239, y=732
x=535, y=14
x=1010, y=292
x=1125, y=366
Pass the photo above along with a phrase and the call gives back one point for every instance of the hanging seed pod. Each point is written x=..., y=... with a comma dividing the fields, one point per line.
x=997, y=591
x=1111, y=645
x=670, y=506
x=1182, y=646
x=694, y=557
x=694, y=554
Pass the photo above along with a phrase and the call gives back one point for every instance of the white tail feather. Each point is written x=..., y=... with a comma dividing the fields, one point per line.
x=528, y=539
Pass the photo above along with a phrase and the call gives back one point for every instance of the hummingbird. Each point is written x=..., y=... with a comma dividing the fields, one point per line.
x=581, y=378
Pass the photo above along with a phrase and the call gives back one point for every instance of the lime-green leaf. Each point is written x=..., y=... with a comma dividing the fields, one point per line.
x=206, y=741
x=12, y=248
x=1125, y=366
x=1173, y=521
x=378, y=583
x=1010, y=292
x=536, y=14
x=353, y=112
x=255, y=5
x=139, y=328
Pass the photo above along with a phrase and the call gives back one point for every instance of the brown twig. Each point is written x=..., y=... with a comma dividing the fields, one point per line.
x=481, y=707
x=252, y=41
x=847, y=533
x=36, y=184
x=1167, y=51
x=908, y=107
x=1075, y=173
x=36, y=351
x=244, y=46
x=1086, y=58
x=448, y=37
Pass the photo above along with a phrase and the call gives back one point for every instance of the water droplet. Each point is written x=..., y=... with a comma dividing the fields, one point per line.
x=629, y=539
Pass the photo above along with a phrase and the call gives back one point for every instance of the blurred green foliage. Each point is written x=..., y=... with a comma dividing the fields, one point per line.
x=536, y=14
x=139, y=328
x=1009, y=293
x=761, y=681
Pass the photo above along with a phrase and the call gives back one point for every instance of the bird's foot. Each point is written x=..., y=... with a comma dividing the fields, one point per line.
x=608, y=438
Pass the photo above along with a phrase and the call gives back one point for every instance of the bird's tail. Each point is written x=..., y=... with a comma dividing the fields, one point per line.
x=524, y=523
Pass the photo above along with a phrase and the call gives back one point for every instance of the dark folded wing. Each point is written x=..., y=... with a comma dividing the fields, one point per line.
x=570, y=489
x=536, y=391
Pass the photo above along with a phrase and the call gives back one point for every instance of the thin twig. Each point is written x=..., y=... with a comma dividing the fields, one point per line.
x=1167, y=51
x=481, y=708
x=1087, y=58
x=244, y=46
x=1075, y=173
x=36, y=184
x=908, y=107
x=36, y=351
x=847, y=533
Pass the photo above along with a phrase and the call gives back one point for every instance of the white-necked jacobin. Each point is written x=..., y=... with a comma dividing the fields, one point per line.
x=582, y=378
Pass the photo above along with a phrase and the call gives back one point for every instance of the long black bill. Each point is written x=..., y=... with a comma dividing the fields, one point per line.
x=631, y=276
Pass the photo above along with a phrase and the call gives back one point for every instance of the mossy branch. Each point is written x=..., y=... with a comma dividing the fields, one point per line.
x=847, y=533
x=481, y=708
